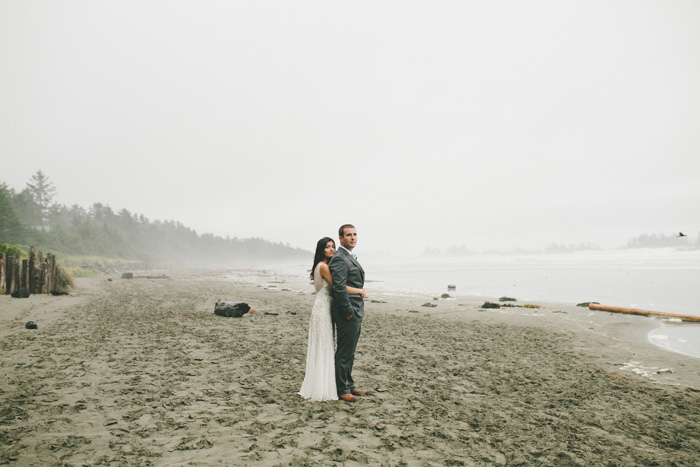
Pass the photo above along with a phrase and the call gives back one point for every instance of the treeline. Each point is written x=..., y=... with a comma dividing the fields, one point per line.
x=30, y=217
x=561, y=248
x=454, y=250
x=663, y=241
x=677, y=241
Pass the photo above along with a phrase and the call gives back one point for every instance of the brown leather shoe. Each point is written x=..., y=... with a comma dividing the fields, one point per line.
x=359, y=392
x=347, y=397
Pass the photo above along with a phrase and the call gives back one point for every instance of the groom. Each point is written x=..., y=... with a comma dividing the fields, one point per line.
x=347, y=311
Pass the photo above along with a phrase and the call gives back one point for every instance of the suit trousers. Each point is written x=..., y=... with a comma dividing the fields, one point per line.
x=348, y=333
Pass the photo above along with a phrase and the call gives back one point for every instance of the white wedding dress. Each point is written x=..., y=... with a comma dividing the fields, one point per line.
x=319, y=382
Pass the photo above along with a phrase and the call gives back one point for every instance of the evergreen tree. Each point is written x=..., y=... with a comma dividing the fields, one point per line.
x=12, y=230
x=42, y=192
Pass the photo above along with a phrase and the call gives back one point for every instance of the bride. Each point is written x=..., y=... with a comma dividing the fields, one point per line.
x=319, y=382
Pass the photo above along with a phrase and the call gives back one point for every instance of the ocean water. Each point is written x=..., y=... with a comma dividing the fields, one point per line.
x=662, y=280
x=654, y=279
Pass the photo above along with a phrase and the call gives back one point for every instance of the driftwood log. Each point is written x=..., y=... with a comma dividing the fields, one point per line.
x=634, y=311
x=231, y=309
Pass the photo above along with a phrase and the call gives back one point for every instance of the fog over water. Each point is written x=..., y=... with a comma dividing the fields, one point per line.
x=485, y=124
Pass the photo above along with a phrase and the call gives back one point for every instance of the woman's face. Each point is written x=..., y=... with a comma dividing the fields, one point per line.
x=329, y=250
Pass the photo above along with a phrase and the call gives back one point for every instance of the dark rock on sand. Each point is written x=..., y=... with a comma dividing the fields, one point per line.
x=31, y=325
x=451, y=287
x=430, y=305
x=231, y=309
x=127, y=275
x=507, y=299
x=22, y=292
x=490, y=305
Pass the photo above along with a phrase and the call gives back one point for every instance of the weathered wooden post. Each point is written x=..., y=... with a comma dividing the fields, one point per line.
x=24, y=274
x=3, y=274
x=47, y=282
x=36, y=279
x=15, y=273
x=52, y=274
x=8, y=274
x=31, y=285
x=42, y=282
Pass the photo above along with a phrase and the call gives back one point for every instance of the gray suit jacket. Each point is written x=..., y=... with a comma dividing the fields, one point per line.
x=345, y=270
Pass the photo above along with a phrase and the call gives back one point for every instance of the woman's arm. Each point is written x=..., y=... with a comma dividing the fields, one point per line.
x=326, y=274
x=356, y=291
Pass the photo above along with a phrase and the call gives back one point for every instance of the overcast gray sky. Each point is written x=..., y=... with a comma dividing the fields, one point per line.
x=484, y=123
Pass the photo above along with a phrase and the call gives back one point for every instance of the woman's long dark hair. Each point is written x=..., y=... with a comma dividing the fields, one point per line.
x=320, y=254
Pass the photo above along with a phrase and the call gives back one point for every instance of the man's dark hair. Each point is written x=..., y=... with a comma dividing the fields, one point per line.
x=341, y=230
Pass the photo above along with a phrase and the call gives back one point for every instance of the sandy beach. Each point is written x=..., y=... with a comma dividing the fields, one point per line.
x=142, y=372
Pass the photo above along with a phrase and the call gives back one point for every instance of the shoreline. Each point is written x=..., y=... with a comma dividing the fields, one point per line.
x=633, y=331
x=143, y=372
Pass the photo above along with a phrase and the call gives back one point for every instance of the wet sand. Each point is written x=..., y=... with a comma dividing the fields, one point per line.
x=142, y=372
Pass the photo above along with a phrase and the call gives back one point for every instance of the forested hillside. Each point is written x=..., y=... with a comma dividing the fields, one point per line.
x=30, y=217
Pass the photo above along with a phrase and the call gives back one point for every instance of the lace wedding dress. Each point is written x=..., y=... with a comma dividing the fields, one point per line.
x=319, y=382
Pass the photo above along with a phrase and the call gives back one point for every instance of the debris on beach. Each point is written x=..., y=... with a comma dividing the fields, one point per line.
x=529, y=305
x=127, y=275
x=231, y=309
x=413, y=311
x=271, y=313
x=634, y=311
x=377, y=300
x=451, y=287
x=31, y=325
x=664, y=370
x=445, y=295
x=56, y=293
x=430, y=305
x=291, y=312
x=490, y=305
x=507, y=299
x=22, y=292
x=585, y=304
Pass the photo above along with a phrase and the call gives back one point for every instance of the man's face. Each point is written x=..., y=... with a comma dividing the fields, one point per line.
x=349, y=240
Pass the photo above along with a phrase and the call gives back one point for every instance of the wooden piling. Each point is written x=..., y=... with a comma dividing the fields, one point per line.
x=3, y=280
x=32, y=270
x=42, y=282
x=24, y=274
x=16, y=265
x=51, y=281
x=38, y=275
